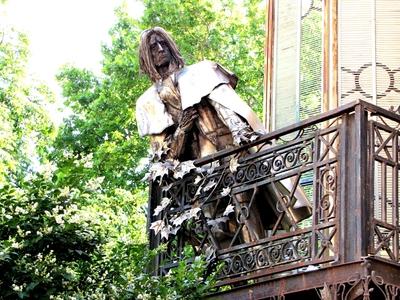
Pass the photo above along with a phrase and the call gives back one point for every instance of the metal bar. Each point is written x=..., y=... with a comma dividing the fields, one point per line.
x=281, y=236
x=316, y=197
x=343, y=191
x=385, y=161
x=395, y=195
x=276, y=270
x=280, y=132
x=384, y=224
x=362, y=196
x=383, y=192
x=376, y=110
x=334, y=57
x=326, y=53
x=371, y=183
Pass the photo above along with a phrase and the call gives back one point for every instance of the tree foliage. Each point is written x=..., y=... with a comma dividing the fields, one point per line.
x=25, y=129
x=76, y=227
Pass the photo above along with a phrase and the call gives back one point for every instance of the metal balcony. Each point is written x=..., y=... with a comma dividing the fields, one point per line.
x=345, y=246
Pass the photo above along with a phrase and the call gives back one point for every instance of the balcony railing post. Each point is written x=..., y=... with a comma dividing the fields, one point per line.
x=354, y=185
x=363, y=181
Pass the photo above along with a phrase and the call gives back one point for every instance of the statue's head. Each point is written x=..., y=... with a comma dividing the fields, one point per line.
x=158, y=54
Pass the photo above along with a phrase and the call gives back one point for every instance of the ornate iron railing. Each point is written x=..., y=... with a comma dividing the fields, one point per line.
x=384, y=165
x=344, y=162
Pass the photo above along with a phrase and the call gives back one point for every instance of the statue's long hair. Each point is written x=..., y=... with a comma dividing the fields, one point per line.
x=145, y=58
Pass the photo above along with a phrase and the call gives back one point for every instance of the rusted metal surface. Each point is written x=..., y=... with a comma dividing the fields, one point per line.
x=374, y=278
x=347, y=162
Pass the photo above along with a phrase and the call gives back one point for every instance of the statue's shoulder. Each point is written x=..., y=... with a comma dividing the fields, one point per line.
x=200, y=68
x=207, y=69
x=147, y=97
x=151, y=116
x=199, y=80
x=204, y=64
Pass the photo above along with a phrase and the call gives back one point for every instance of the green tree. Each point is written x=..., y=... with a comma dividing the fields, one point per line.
x=26, y=129
x=100, y=139
x=76, y=227
x=103, y=124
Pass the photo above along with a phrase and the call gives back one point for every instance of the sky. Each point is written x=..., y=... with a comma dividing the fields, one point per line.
x=63, y=31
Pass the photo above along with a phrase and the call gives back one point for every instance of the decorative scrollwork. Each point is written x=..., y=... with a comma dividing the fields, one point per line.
x=237, y=264
x=326, y=203
x=228, y=179
x=288, y=251
x=303, y=247
x=290, y=159
x=227, y=264
x=366, y=286
x=262, y=258
x=327, y=200
x=305, y=155
x=240, y=175
x=329, y=179
x=278, y=163
x=271, y=254
x=275, y=253
x=265, y=168
x=249, y=261
x=251, y=172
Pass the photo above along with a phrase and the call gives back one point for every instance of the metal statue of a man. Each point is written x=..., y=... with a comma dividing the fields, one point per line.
x=189, y=105
x=193, y=111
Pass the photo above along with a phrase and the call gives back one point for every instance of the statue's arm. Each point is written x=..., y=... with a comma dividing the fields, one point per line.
x=240, y=129
x=170, y=144
x=178, y=139
x=176, y=144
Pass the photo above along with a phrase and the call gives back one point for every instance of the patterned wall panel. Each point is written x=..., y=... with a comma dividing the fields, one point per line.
x=388, y=53
x=369, y=52
x=356, y=50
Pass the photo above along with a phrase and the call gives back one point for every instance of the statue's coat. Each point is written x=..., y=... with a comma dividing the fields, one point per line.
x=204, y=79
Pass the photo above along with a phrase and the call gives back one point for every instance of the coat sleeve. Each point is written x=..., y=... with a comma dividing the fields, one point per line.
x=226, y=96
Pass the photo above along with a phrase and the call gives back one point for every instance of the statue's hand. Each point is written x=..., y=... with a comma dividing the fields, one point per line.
x=245, y=136
x=177, y=140
x=187, y=118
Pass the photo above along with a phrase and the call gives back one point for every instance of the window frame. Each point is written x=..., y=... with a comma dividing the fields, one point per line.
x=329, y=59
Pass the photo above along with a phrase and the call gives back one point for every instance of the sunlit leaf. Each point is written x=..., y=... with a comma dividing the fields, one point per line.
x=229, y=209
x=193, y=212
x=164, y=203
x=165, y=231
x=157, y=226
x=197, y=180
x=209, y=186
x=184, y=168
x=254, y=137
x=180, y=219
x=233, y=164
x=226, y=191
x=217, y=221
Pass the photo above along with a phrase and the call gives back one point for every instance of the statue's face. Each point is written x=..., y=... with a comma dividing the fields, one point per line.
x=159, y=51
